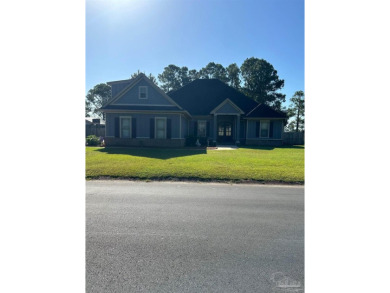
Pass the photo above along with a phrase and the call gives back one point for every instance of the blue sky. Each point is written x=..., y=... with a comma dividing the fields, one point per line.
x=124, y=36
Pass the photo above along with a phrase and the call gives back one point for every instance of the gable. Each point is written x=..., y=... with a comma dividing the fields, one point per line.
x=227, y=107
x=118, y=86
x=140, y=92
x=131, y=96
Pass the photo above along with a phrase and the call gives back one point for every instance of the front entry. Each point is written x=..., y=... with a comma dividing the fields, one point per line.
x=225, y=132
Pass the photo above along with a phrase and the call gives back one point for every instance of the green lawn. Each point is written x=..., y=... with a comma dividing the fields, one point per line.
x=279, y=164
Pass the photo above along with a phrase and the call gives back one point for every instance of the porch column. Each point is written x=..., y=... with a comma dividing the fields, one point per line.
x=238, y=129
x=215, y=129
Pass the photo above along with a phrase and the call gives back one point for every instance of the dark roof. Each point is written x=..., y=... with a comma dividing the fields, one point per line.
x=121, y=81
x=202, y=96
x=265, y=111
x=142, y=108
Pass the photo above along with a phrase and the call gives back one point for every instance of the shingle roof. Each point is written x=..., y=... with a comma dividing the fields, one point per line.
x=265, y=111
x=201, y=96
x=141, y=108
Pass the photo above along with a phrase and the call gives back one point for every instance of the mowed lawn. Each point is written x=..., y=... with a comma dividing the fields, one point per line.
x=269, y=164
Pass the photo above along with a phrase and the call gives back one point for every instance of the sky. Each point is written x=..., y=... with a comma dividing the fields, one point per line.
x=123, y=37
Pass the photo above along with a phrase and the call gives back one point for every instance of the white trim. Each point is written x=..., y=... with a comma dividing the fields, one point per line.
x=123, y=91
x=120, y=126
x=180, y=126
x=133, y=83
x=264, y=138
x=106, y=127
x=155, y=127
x=151, y=105
x=262, y=118
x=148, y=112
x=225, y=102
x=246, y=132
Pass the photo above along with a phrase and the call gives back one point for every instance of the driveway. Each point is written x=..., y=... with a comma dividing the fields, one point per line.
x=193, y=237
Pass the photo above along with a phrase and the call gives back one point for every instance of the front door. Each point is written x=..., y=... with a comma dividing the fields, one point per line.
x=225, y=132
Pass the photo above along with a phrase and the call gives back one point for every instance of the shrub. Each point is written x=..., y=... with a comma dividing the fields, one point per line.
x=191, y=141
x=93, y=140
x=212, y=143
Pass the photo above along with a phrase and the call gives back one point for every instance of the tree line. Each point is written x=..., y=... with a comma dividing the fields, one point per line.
x=256, y=78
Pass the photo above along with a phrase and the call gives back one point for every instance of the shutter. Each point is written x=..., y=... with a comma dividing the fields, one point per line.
x=169, y=128
x=257, y=128
x=196, y=128
x=116, y=126
x=133, y=127
x=151, y=128
x=208, y=128
x=271, y=129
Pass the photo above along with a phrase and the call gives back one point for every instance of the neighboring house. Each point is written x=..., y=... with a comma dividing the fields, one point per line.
x=90, y=120
x=94, y=126
x=139, y=113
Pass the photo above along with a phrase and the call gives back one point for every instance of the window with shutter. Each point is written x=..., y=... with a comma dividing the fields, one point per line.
x=125, y=127
x=161, y=128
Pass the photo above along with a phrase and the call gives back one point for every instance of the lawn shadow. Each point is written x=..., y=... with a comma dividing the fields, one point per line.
x=154, y=153
x=256, y=147
x=270, y=148
x=287, y=146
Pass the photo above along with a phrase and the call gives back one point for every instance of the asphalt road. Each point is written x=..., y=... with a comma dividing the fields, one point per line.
x=193, y=237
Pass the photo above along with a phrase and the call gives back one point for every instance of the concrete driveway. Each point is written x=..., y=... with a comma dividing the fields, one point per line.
x=193, y=237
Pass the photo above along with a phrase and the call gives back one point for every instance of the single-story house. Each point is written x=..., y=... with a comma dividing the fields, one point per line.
x=139, y=113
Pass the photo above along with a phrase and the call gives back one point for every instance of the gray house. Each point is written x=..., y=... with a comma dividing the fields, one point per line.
x=139, y=113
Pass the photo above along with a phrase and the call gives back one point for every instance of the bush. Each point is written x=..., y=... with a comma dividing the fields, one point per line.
x=212, y=143
x=191, y=141
x=93, y=140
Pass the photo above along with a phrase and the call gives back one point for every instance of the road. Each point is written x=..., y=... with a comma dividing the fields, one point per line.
x=193, y=237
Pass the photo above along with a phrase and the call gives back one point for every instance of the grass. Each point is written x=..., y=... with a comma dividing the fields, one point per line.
x=261, y=164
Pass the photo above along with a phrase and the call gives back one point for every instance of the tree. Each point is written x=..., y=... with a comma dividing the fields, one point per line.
x=88, y=107
x=297, y=111
x=175, y=77
x=170, y=78
x=193, y=74
x=183, y=76
x=97, y=97
x=150, y=76
x=233, y=75
x=214, y=70
x=261, y=82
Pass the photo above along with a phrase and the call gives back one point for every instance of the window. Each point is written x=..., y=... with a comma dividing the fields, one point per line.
x=264, y=128
x=143, y=92
x=228, y=130
x=161, y=127
x=221, y=130
x=201, y=128
x=126, y=127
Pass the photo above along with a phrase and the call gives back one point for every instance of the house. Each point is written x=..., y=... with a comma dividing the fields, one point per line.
x=94, y=126
x=139, y=113
x=90, y=120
